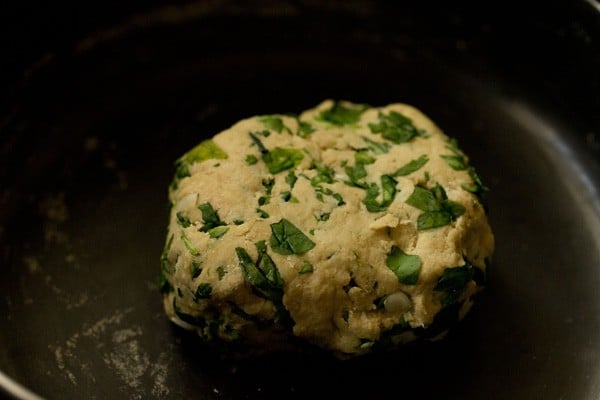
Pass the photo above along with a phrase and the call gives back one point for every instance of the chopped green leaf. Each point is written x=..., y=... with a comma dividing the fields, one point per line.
x=396, y=128
x=196, y=269
x=287, y=239
x=433, y=219
x=339, y=198
x=189, y=246
x=203, y=291
x=221, y=272
x=305, y=129
x=182, y=220
x=263, y=276
x=324, y=217
x=262, y=200
x=291, y=179
x=267, y=266
x=438, y=210
x=280, y=159
x=306, y=268
x=210, y=218
x=263, y=150
x=453, y=281
x=262, y=213
x=356, y=175
x=218, y=231
x=324, y=175
x=376, y=147
x=405, y=266
x=388, y=188
x=286, y=196
x=455, y=162
x=411, y=166
x=476, y=187
x=268, y=184
x=340, y=114
x=238, y=221
x=363, y=157
x=274, y=123
x=206, y=150
x=251, y=159
x=423, y=199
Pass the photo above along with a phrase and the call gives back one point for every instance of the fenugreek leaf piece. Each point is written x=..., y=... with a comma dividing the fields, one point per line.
x=438, y=209
x=286, y=239
x=396, y=128
x=412, y=166
x=453, y=281
x=388, y=193
x=405, y=266
x=280, y=159
x=210, y=217
x=342, y=114
x=274, y=123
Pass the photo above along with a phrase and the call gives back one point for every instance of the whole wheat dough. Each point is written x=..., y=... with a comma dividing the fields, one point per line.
x=350, y=228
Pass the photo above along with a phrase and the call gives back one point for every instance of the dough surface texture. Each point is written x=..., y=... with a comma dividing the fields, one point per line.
x=350, y=228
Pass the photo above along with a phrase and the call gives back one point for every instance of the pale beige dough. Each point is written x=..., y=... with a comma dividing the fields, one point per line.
x=341, y=294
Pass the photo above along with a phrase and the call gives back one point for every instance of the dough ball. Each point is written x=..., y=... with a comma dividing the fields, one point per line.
x=350, y=228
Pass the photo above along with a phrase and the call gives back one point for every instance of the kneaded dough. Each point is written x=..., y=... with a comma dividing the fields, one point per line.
x=350, y=228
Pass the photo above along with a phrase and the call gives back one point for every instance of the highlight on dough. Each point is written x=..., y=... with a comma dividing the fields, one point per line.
x=348, y=227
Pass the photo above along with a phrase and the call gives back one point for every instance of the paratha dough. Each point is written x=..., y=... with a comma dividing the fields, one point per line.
x=350, y=228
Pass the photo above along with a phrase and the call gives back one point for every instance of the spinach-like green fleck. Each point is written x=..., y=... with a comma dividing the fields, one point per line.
x=305, y=129
x=182, y=220
x=405, y=266
x=455, y=162
x=476, y=187
x=217, y=232
x=251, y=159
x=274, y=123
x=340, y=114
x=453, y=281
x=210, y=217
x=388, y=189
x=189, y=246
x=203, y=291
x=196, y=269
x=286, y=239
x=357, y=172
x=458, y=162
x=261, y=147
x=262, y=213
x=438, y=209
x=376, y=147
x=263, y=276
x=206, y=150
x=291, y=179
x=279, y=159
x=396, y=128
x=306, y=268
x=324, y=174
x=221, y=272
x=268, y=184
x=411, y=166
